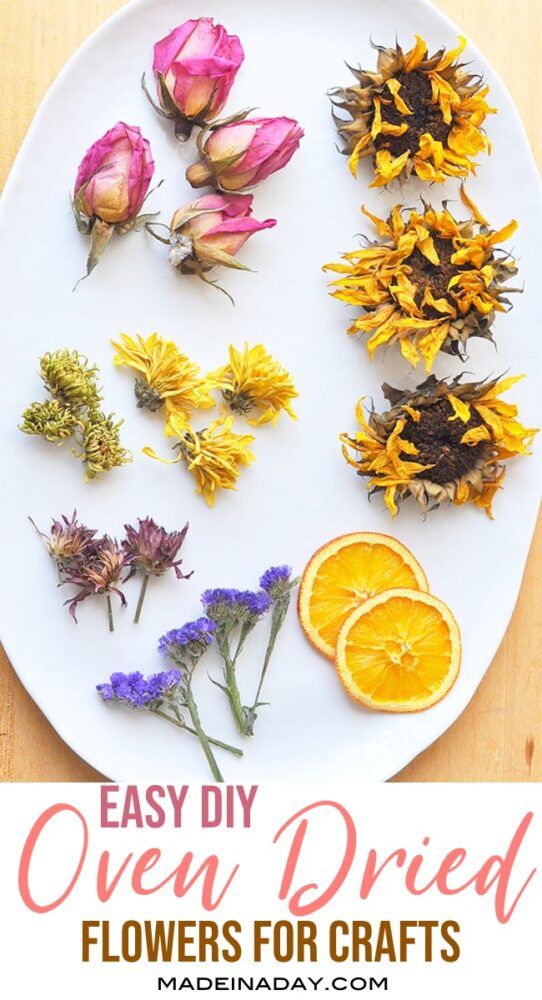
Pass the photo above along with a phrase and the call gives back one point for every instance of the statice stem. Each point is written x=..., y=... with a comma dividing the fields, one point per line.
x=179, y=722
x=232, y=690
x=280, y=611
x=142, y=592
x=202, y=736
x=110, y=613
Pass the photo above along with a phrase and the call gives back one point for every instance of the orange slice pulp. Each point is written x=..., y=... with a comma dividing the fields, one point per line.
x=344, y=574
x=399, y=652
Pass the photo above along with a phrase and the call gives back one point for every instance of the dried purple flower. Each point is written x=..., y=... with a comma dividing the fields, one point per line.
x=151, y=550
x=67, y=540
x=276, y=580
x=235, y=606
x=188, y=642
x=98, y=571
x=137, y=691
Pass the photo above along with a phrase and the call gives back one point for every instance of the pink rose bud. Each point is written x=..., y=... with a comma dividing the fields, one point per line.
x=112, y=183
x=211, y=231
x=238, y=154
x=195, y=66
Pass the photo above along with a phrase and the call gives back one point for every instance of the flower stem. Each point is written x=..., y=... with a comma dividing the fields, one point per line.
x=110, y=613
x=182, y=725
x=232, y=690
x=142, y=592
x=202, y=736
x=280, y=611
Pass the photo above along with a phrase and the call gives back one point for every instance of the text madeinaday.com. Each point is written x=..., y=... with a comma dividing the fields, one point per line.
x=270, y=984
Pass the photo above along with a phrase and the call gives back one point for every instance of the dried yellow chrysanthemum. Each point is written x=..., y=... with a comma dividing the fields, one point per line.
x=70, y=378
x=417, y=113
x=254, y=381
x=166, y=376
x=49, y=419
x=442, y=441
x=429, y=284
x=74, y=412
x=98, y=444
x=214, y=455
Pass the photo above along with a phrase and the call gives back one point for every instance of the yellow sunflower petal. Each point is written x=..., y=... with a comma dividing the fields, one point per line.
x=416, y=55
x=475, y=435
x=394, y=87
x=461, y=409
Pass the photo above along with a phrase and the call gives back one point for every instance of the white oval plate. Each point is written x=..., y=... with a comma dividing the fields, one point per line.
x=299, y=493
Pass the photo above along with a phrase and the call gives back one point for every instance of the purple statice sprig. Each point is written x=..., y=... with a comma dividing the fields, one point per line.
x=97, y=572
x=165, y=695
x=277, y=582
x=137, y=691
x=152, y=551
x=235, y=612
x=187, y=644
x=185, y=647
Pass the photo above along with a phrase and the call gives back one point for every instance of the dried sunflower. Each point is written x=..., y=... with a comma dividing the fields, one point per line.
x=445, y=440
x=417, y=113
x=214, y=455
x=429, y=284
x=254, y=381
x=167, y=377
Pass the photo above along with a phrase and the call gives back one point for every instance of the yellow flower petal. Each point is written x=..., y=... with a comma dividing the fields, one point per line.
x=461, y=410
x=394, y=87
x=416, y=55
x=475, y=435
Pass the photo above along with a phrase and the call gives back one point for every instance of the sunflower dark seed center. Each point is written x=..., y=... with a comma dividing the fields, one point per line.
x=416, y=93
x=438, y=441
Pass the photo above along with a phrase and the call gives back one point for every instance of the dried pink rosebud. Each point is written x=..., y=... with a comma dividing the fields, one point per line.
x=111, y=185
x=239, y=154
x=195, y=66
x=211, y=231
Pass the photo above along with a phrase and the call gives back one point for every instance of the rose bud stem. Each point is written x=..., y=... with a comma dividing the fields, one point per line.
x=142, y=592
x=199, y=175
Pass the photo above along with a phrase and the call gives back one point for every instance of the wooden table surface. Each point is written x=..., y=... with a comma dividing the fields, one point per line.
x=498, y=738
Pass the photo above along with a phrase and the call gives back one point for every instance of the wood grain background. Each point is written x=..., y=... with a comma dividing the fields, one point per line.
x=498, y=737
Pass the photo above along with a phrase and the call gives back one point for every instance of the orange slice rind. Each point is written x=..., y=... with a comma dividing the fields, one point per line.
x=399, y=652
x=345, y=573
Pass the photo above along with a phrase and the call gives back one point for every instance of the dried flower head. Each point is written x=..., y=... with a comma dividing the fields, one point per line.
x=74, y=412
x=98, y=444
x=151, y=550
x=429, y=284
x=187, y=644
x=98, y=572
x=417, y=113
x=235, y=606
x=70, y=378
x=253, y=382
x=50, y=419
x=67, y=540
x=165, y=376
x=277, y=580
x=137, y=691
x=214, y=455
x=446, y=440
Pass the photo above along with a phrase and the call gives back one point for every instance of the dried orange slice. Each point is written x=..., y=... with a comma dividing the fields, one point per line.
x=399, y=652
x=345, y=573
